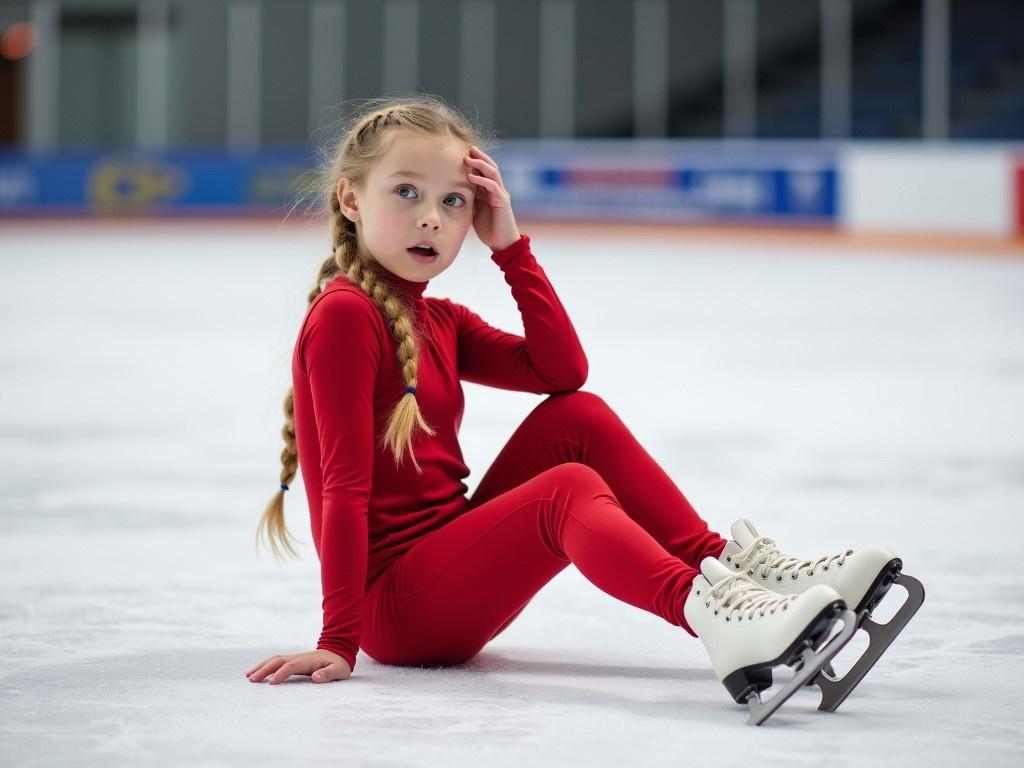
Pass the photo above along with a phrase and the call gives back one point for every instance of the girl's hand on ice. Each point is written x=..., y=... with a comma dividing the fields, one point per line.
x=323, y=666
x=493, y=220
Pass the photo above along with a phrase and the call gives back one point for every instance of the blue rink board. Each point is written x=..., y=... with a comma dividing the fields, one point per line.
x=603, y=179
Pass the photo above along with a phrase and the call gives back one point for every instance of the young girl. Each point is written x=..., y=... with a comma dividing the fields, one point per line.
x=413, y=572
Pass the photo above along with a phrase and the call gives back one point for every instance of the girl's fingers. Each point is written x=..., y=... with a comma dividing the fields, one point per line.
x=280, y=668
x=482, y=166
x=484, y=155
x=267, y=667
x=262, y=672
x=493, y=187
x=259, y=666
x=485, y=162
x=322, y=675
x=280, y=674
x=263, y=664
x=489, y=183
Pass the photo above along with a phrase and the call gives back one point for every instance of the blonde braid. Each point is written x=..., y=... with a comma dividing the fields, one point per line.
x=272, y=519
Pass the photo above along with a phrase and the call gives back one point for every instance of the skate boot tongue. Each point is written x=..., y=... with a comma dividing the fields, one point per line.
x=713, y=570
x=743, y=533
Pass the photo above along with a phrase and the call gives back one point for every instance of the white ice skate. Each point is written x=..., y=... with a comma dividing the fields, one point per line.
x=862, y=577
x=748, y=629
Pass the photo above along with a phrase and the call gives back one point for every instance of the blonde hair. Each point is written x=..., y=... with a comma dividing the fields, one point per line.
x=368, y=135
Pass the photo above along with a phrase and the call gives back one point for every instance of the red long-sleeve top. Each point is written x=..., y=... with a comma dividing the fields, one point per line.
x=364, y=511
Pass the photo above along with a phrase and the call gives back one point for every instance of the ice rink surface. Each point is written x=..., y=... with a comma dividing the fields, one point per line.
x=836, y=397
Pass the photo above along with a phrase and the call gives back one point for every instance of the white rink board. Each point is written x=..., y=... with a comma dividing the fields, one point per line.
x=835, y=398
x=959, y=188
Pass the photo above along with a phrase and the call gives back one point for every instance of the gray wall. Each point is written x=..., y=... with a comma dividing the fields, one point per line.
x=198, y=73
x=98, y=91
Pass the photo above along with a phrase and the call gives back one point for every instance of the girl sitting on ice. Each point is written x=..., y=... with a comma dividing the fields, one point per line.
x=413, y=571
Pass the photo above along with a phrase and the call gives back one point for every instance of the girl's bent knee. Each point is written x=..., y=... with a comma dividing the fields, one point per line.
x=579, y=476
x=576, y=402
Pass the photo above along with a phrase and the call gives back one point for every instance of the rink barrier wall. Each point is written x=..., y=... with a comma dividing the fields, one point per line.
x=963, y=188
x=150, y=183
x=667, y=181
x=570, y=179
x=1018, y=177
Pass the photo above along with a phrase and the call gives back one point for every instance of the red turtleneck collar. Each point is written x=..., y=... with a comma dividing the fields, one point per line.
x=408, y=287
x=411, y=290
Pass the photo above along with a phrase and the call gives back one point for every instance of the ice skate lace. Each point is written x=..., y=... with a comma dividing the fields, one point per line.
x=738, y=594
x=764, y=554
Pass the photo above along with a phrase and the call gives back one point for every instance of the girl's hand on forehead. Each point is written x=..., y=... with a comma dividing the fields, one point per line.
x=494, y=222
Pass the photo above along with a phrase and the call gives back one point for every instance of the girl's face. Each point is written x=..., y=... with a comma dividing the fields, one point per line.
x=417, y=192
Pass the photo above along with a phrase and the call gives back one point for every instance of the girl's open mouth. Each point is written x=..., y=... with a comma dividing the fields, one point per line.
x=421, y=253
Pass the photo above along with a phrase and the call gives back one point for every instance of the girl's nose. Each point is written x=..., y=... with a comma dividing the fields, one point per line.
x=430, y=218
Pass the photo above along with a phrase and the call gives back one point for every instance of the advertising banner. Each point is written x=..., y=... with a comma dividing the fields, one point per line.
x=672, y=181
x=148, y=183
x=605, y=179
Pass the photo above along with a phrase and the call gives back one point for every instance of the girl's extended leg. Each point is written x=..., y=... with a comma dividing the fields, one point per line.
x=580, y=426
x=446, y=597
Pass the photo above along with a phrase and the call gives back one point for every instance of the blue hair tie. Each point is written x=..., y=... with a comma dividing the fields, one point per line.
x=284, y=487
x=411, y=389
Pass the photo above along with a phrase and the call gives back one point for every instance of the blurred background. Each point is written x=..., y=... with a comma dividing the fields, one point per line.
x=788, y=234
x=820, y=112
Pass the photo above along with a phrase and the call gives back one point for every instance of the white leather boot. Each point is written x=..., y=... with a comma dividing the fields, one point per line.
x=856, y=574
x=861, y=576
x=748, y=629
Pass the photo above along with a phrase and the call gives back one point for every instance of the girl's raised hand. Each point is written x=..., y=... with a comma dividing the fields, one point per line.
x=493, y=220
x=323, y=666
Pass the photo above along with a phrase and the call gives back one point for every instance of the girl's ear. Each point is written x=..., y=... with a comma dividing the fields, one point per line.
x=347, y=199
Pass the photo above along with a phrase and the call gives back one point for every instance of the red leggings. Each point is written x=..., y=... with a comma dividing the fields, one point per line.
x=571, y=485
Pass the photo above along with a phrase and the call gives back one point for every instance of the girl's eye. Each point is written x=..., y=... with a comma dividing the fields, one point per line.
x=460, y=200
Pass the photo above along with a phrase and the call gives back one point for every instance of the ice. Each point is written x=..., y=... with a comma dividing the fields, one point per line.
x=835, y=396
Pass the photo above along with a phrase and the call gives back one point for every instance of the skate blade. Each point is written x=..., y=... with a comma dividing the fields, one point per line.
x=834, y=689
x=807, y=666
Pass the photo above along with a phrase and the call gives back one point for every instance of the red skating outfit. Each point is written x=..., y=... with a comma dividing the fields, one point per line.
x=413, y=572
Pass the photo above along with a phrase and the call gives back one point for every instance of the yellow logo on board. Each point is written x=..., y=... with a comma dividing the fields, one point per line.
x=133, y=184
